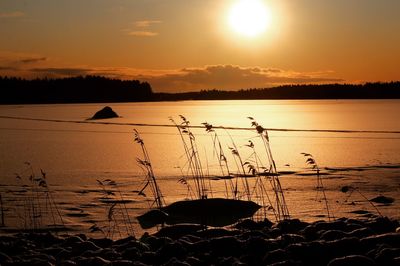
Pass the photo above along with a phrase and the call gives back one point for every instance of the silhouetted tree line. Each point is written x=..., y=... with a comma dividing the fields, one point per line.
x=73, y=90
x=100, y=89
x=390, y=90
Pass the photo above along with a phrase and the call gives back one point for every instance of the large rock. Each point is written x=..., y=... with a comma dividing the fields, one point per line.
x=106, y=112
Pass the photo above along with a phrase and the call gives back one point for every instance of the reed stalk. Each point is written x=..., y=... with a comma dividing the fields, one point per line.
x=2, y=212
x=282, y=211
x=320, y=186
x=241, y=170
x=151, y=179
x=259, y=188
x=352, y=189
x=39, y=204
x=193, y=158
x=222, y=160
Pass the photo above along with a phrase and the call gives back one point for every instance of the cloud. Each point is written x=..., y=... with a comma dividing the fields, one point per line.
x=146, y=23
x=141, y=28
x=8, y=68
x=143, y=33
x=17, y=63
x=17, y=58
x=224, y=77
x=15, y=14
x=61, y=72
x=232, y=77
x=33, y=60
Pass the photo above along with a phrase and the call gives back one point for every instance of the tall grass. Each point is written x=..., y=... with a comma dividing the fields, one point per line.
x=218, y=152
x=145, y=164
x=193, y=161
x=320, y=186
x=256, y=168
x=281, y=209
x=40, y=210
x=118, y=219
x=352, y=189
x=240, y=165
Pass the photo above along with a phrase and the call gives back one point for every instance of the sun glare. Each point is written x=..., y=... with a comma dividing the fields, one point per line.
x=249, y=17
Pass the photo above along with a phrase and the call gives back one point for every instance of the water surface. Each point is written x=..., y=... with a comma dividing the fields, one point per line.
x=75, y=155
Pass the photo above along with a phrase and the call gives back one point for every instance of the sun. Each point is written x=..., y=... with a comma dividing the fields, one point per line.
x=249, y=18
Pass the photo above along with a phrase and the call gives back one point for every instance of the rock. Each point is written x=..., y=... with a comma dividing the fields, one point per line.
x=382, y=225
x=332, y=235
x=102, y=242
x=287, y=239
x=386, y=256
x=72, y=240
x=175, y=262
x=178, y=231
x=291, y=226
x=4, y=258
x=40, y=257
x=140, y=246
x=216, y=232
x=105, y=113
x=44, y=239
x=199, y=247
x=193, y=261
x=67, y=263
x=83, y=247
x=109, y=254
x=226, y=246
x=149, y=257
x=125, y=263
x=171, y=250
x=130, y=254
x=246, y=235
x=124, y=240
x=155, y=243
x=343, y=247
x=250, y=224
x=383, y=200
x=287, y=263
x=278, y=255
x=93, y=261
x=351, y=261
x=360, y=233
x=152, y=218
x=259, y=246
x=391, y=239
x=346, y=189
x=309, y=253
x=53, y=251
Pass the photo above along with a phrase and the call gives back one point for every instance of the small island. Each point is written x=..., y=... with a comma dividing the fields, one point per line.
x=105, y=113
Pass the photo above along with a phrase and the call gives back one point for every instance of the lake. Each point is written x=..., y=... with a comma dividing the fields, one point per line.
x=75, y=155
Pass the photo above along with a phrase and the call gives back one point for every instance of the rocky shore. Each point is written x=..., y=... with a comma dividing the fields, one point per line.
x=373, y=241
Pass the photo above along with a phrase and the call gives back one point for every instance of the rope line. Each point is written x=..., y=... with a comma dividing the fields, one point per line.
x=202, y=127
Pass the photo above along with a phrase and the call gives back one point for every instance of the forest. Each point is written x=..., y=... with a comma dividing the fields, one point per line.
x=96, y=89
x=390, y=90
x=88, y=89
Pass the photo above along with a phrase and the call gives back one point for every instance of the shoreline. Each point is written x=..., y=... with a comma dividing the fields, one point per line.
x=344, y=241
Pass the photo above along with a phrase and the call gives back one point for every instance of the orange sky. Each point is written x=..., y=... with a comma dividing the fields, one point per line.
x=187, y=45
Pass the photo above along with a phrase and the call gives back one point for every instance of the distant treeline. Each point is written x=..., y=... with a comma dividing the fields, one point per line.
x=73, y=90
x=390, y=90
x=100, y=89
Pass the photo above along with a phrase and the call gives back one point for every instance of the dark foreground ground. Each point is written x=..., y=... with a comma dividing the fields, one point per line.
x=373, y=241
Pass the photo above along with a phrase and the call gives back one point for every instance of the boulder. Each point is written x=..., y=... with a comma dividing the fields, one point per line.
x=106, y=112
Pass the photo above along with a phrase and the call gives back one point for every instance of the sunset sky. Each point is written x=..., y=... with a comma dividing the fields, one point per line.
x=188, y=45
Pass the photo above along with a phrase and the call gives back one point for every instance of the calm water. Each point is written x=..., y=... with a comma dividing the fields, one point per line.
x=84, y=152
x=75, y=155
